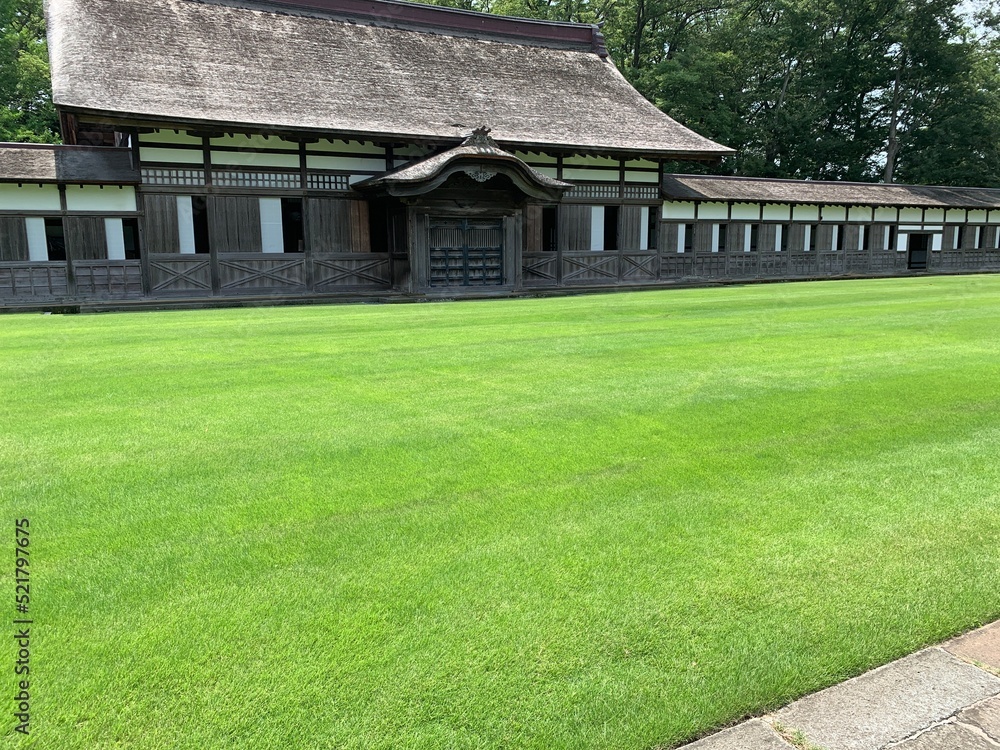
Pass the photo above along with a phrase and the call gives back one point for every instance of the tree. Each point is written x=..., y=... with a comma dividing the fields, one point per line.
x=26, y=110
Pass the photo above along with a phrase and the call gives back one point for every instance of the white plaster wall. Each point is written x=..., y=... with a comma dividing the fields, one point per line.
x=835, y=213
x=29, y=198
x=241, y=140
x=644, y=177
x=590, y=175
x=254, y=159
x=777, y=212
x=169, y=136
x=678, y=210
x=96, y=198
x=345, y=163
x=713, y=211
x=746, y=211
x=149, y=154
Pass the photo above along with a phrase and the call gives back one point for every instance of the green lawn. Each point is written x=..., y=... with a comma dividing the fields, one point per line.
x=595, y=522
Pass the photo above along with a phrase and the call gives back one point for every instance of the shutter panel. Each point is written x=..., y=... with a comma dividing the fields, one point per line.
x=629, y=227
x=86, y=238
x=160, y=224
x=13, y=238
x=234, y=224
x=337, y=225
x=533, y=229
x=574, y=228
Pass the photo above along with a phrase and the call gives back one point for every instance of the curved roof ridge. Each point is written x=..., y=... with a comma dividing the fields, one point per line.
x=477, y=146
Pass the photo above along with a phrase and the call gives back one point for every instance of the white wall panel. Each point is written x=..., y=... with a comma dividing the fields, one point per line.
x=345, y=163
x=271, y=238
x=590, y=175
x=29, y=198
x=185, y=224
x=713, y=211
x=746, y=211
x=678, y=210
x=169, y=136
x=777, y=212
x=149, y=154
x=835, y=213
x=254, y=159
x=95, y=198
x=115, y=234
x=597, y=228
x=38, y=247
x=650, y=178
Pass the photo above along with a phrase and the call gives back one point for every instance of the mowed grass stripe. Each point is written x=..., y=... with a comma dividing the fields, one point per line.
x=593, y=522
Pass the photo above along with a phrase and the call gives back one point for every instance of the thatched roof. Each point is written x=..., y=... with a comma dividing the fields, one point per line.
x=292, y=66
x=22, y=162
x=760, y=190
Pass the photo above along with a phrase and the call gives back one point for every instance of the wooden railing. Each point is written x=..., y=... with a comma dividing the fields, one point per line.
x=264, y=273
x=20, y=280
x=108, y=279
x=629, y=266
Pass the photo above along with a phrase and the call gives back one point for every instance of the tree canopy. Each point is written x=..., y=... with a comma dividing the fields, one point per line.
x=26, y=111
x=869, y=90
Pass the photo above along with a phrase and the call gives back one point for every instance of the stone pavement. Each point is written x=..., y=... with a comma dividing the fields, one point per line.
x=946, y=697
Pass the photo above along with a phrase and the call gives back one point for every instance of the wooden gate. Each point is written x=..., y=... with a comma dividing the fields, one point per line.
x=466, y=252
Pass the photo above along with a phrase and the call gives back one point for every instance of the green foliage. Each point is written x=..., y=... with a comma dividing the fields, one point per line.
x=602, y=522
x=26, y=111
x=819, y=89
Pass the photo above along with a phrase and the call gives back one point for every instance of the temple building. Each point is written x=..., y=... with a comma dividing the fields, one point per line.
x=257, y=150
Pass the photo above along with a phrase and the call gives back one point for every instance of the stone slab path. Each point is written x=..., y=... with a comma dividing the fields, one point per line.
x=946, y=697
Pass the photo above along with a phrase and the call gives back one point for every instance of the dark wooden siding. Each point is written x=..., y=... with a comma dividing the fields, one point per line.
x=703, y=237
x=13, y=238
x=336, y=225
x=161, y=232
x=533, y=229
x=85, y=237
x=796, y=238
x=629, y=227
x=766, y=236
x=668, y=237
x=574, y=228
x=234, y=224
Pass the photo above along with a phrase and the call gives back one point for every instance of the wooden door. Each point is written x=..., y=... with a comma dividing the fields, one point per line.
x=465, y=251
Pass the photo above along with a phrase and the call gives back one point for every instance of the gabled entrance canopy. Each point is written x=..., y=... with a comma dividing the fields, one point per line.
x=478, y=157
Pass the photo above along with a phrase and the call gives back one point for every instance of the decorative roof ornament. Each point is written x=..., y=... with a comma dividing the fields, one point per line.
x=479, y=174
x=480, y=137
